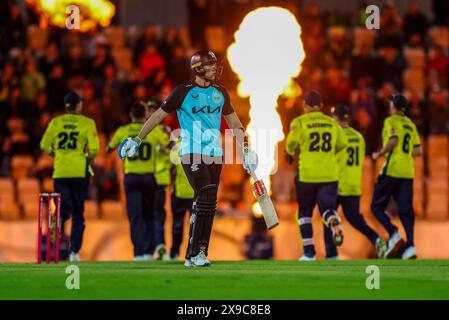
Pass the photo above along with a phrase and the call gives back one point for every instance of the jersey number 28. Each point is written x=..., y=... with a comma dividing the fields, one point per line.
x=326, y=138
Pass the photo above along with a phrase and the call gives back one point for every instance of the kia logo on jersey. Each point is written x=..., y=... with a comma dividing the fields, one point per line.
x=206, y=109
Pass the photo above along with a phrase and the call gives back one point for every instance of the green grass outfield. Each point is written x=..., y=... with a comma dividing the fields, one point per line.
x=419, y=279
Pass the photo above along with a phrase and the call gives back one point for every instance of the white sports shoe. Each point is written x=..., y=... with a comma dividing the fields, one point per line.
x=200, y=260
x=188, y=263
x=160, y=251
x=394, y=244
x=336, y=228
x=306, y=258
x=138, y=258
x=147, y=257
x=166, y=257
x=74, y=257
x=409, y=253
x=381, y=247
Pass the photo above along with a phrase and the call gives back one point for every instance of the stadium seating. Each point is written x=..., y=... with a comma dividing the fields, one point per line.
x=8, y=207
x=215, y=36
x=21, y=166
x=28, y=195
x=364, y=36
x=37, y=37
x=6, y=190
x=440, y=36
x=112, y=210
x=123, y=58
x=416, y=58
x=30, y=205
x=437, y=189
x=9, y=210
x=115, y=35
x=91, y=209
x=47, y=185
x=414, y=79
x=27, y=186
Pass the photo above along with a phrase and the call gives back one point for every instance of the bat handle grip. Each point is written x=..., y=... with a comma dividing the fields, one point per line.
x=253, y=174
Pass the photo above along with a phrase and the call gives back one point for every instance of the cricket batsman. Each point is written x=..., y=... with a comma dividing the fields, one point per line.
x=318, y=138
x=72, y=139
x=350, y=163
x=401, y=143
x=199, y=105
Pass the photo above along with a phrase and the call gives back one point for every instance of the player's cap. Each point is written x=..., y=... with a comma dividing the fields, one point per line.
x=72, y=99
x=399, y=101
x=312, y=98
x=341, y=111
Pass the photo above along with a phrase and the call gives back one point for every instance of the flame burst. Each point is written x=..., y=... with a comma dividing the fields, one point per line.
x=266, y=55
x=93, y=12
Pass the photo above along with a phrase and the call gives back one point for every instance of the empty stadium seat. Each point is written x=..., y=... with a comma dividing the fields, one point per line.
x=21, y=166
x=416, y=57
x=414, y=79
x=113, y=210
x=438, y=145
x=438, y=204
x=30, y=207
x=6, y=190
x=28, y=194
x=47, y=185
x=28, y=185
x=91, y=209
x=9, y=210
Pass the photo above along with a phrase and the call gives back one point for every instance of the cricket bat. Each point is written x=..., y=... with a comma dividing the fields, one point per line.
x=266, y=205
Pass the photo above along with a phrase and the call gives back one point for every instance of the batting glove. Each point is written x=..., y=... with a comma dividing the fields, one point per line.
x=250, y=160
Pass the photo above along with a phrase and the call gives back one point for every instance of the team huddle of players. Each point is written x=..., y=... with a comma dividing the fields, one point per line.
x=331, y=154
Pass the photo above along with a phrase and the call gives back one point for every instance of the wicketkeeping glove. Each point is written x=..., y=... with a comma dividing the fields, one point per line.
x=129, y=147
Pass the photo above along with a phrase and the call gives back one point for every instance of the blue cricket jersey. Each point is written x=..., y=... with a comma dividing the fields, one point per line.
x=199, y=111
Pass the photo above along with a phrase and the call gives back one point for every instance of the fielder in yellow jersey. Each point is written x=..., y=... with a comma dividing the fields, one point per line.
x=140, y=184
x=350, y=162
x=72, y=139
x=401, y=143
x=317, y=138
